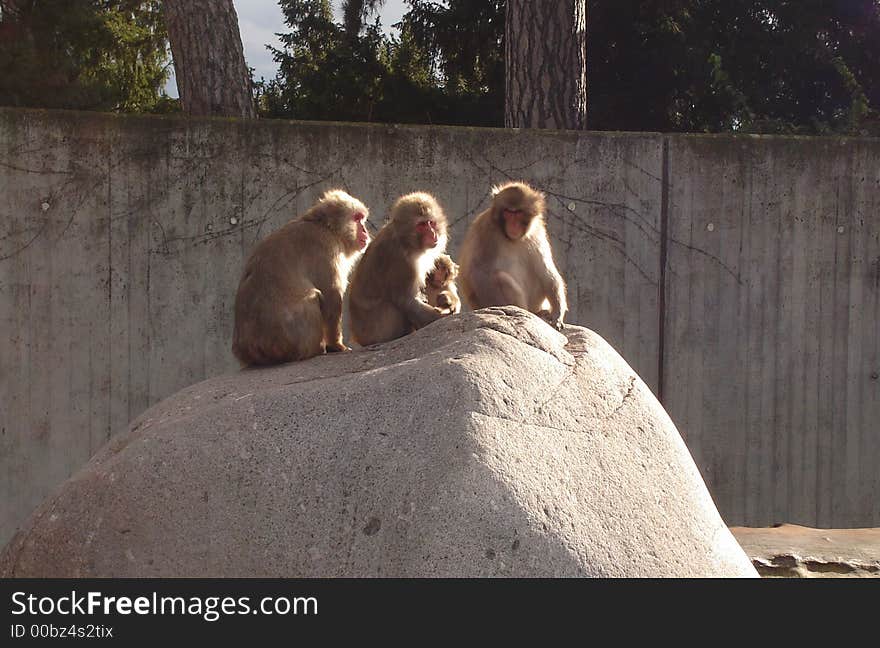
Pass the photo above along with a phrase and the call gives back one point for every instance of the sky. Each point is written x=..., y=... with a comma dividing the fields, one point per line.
x=259, y=20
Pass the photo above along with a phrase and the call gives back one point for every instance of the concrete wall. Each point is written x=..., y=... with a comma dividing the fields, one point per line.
x=772, y=324
x=716, y=265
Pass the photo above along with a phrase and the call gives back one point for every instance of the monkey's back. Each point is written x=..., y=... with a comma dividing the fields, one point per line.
x=277, y=307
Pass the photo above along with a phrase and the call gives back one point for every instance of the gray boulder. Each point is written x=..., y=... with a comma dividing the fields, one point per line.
x=486, y=444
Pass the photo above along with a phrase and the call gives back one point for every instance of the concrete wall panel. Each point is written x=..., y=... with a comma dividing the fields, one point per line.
x=771, y=336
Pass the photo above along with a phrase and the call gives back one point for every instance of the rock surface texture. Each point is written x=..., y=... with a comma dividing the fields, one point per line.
x=486, y=444
x=793, y=551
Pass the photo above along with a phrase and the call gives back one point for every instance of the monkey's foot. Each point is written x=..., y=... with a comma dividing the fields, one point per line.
x=555, y=323
x=337, y=347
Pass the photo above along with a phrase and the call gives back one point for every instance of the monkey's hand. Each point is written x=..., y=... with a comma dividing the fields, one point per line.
x=419, y=313
x=335, y=347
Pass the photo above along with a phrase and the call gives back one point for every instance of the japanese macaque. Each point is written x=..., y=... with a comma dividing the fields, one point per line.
x=506, y=257
x=386, y=286
x=289, y=301
x=440, y=290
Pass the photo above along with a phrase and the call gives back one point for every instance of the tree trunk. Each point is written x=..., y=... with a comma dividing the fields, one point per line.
x=545, y=55
x=355, y=12
x=212, y=76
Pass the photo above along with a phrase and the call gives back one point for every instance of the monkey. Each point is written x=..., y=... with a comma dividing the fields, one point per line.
x=440, y=290
x=289, y=300
x=386, y=301
x=506, y=257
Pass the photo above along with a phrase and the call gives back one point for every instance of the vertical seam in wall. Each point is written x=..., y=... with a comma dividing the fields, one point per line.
x=664, y=251
x=110, y=345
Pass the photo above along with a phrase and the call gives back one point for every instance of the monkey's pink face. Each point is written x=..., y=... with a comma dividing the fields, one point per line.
x=516, y=223
x=363, y=237
x=427, y=233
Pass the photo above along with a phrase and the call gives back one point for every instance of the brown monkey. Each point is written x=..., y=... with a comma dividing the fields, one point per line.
x=289, y=301
x=440, y=290
x=506, y=257
x=387, y=283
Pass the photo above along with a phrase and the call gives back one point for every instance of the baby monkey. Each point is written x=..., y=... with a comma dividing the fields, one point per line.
x=440, y=290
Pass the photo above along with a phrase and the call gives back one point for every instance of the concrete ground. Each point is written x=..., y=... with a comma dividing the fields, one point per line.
x=792, y=551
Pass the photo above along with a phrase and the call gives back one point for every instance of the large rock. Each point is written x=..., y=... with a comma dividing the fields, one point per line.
x=486, y=444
